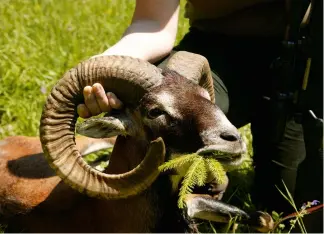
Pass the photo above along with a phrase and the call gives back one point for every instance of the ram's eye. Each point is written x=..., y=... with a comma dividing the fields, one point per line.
x=154, y=113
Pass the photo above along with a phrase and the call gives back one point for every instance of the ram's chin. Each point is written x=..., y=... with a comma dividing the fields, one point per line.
x=233, y=161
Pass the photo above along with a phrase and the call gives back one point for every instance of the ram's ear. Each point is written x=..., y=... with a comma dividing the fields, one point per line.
x=105, y=127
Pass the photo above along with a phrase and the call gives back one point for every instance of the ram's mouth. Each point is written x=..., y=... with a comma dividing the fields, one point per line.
x=223, y=156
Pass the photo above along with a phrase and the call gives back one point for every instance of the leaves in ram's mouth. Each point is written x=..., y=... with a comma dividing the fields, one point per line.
x=178, y=161
x=194, y=176
x=197, y=168
x=216, y=168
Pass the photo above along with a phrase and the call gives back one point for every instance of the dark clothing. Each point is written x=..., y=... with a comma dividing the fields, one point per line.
x=242, y=78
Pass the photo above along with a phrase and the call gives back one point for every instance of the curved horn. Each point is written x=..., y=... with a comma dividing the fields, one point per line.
x=129, y=79
x=194, y=67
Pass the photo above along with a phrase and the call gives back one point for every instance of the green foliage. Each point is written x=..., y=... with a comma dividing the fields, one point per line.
x=97, y=155
x=178, y=161
x=196, y=174
x=216, y=170
x=300, y=214
x=99, y=159
x=190, y=180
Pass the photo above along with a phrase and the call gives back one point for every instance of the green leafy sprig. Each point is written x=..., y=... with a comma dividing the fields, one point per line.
x=196, y=169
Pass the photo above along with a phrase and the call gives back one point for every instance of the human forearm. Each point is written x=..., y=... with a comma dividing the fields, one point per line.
x=144, y=40
x=152, y=32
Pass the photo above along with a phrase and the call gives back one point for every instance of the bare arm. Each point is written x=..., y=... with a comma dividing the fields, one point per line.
x=152, y=32
x=150, y=36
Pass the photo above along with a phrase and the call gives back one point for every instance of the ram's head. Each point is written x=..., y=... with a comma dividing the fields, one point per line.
x=169, y=110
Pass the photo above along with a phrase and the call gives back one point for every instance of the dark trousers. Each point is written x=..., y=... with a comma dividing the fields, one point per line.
x=310, y=173
x=241, y=72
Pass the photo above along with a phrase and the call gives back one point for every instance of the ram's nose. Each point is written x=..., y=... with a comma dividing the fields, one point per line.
x=226, y=146
x=231, y=136
x=226, y=141
x=232, y=140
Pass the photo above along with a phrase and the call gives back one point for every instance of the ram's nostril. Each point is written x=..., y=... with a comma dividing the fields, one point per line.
x=228, y=136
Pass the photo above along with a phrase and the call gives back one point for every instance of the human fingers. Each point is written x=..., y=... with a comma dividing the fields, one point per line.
x=114, y=102
x=83, y=111
x=90, y=101
x=101, y=97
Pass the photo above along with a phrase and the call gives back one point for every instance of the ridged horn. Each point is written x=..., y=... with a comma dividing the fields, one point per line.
x=194, y=67
x=129, y=79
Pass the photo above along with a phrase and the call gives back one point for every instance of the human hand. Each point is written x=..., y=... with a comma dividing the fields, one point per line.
x=96, y=101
